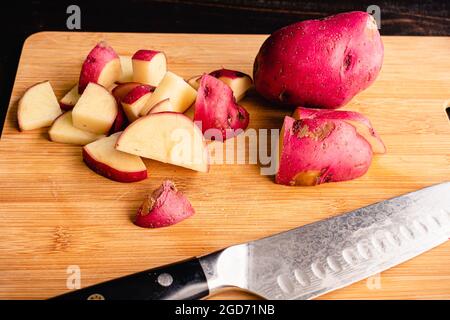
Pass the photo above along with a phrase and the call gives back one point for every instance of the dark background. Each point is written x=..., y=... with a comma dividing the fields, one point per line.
x=19, y=19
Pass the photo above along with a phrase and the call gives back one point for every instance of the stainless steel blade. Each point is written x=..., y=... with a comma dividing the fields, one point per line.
x=320, y=257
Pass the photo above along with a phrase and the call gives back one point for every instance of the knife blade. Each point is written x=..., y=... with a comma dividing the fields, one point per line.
x=302, y=263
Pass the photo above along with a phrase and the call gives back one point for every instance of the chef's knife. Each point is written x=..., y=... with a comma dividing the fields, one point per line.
x=304, y=262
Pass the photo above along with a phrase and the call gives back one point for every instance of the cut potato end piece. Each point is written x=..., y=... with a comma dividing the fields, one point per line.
x=101, y=66
x=103, y=158
x=168, y=137
x=95, y=111
x=149, y=67
x=38, y=107
x=110, y=73
x=164, y=207
x=127, y=69
x=63, y=131
x=172, y=87
x=216, y=108
x=70, y=99
x=318, y=150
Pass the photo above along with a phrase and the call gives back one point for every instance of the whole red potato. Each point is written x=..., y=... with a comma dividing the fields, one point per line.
x=320, y=63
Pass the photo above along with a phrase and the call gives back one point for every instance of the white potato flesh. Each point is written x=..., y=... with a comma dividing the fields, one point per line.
x=38, y=107
x=96, y=110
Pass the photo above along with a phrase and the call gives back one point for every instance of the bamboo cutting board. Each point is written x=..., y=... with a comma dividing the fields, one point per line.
x=57, y=213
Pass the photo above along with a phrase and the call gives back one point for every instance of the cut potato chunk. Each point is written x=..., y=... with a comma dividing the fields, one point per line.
x=102, y=66
x=167, y=137
x=63, y=131
x=102, y=157
x=110, y=74
x=149, y=67
x=172, y=87
x=127, y=69
x=38, y=107
x=135, y=100
x=96, y=110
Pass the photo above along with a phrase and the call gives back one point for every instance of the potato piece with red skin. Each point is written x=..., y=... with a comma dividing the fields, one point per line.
x=149, y=66
x=120, y=93
x=166, y=206
x=216, y=108
x=315, y=151
x=361, y=123
x=102, y=157
x=101, y=66
x=175, y=88
x=169, y=137
x=70, y=99
x=238, y=81
x=127, y=69
x=123, y=89
x=135, y=100
x=320, y=63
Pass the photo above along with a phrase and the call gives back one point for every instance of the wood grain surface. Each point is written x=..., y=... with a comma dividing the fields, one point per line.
x=57, y=213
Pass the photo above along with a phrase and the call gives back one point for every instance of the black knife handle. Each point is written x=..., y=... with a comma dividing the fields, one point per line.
x=183, y=280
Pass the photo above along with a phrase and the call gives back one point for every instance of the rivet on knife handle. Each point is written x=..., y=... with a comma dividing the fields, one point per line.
x=180, y=281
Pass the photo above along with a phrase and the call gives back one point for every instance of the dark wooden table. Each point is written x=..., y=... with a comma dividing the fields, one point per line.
x=22, y=18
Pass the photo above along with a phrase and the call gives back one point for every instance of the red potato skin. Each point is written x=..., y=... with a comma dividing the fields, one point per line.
x=319, y=63
x=137, y=92
x=92, y=67
x=123, y=89
x=308, y=113
x=65, y=107
x=111, y=173
x=165, y=207
x=216, y=108
x=121, y=121
x=145, y=55
x=317, y=151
